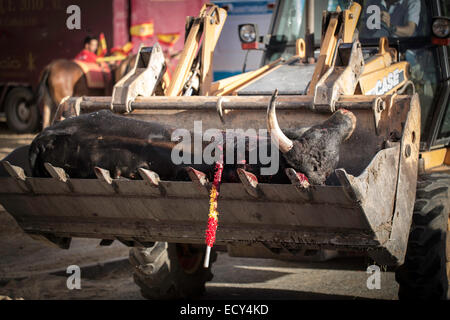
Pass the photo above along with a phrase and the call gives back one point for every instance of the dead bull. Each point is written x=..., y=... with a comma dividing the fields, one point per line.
x=123, y=145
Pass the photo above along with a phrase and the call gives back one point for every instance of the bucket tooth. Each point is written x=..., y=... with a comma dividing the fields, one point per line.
x=14, y=171
x=153, y=179
x=60, y=176
x=250, y=182
x=199, y=178
x=350, y=184
x=19, y=175
x=103, y=175
x=150, y=176
x=300, y=182
x=56, y=173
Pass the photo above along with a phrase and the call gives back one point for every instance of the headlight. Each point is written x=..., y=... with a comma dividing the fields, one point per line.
x=441, y=27
x=248, y=33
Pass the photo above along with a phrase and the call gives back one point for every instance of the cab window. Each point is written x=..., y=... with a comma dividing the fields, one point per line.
x=394, y=19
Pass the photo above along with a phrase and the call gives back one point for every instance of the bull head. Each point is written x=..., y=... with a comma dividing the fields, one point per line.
x=315, y=152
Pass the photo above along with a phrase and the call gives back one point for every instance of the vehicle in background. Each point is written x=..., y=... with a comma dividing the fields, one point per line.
x=30, y=40
x=228, y=56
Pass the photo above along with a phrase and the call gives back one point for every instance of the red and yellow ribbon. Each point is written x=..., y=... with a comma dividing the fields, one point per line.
x=213, y=217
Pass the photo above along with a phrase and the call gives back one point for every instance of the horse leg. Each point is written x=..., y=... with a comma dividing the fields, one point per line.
x=47, y=112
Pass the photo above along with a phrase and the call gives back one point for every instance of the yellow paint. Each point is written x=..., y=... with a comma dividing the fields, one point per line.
x=188, y=54
x=368, y=81
x=435, y=158
x=230, y=85
x=212, y=27
x=377, y=62
x=300, y=48
x=351, y=17
x=327, y=49
x=447, y=157
x=213, y=203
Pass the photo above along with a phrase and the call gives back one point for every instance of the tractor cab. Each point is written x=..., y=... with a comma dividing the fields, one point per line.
x=423, y=43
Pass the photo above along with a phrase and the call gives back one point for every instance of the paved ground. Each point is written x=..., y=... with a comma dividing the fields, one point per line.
x=31, y=270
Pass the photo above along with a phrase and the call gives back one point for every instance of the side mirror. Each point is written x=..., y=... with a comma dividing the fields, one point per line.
x=248, y=34
x=441, y=31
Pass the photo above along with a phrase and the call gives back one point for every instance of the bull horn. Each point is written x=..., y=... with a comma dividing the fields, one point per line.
x=278, y=137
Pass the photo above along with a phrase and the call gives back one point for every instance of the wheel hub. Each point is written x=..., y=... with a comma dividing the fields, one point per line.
x=23, y=112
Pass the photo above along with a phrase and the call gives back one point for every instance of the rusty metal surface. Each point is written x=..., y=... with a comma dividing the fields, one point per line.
x=142, y=80
x=395, y=247
x=319, y=216
x=341, y=78
x=193, y=103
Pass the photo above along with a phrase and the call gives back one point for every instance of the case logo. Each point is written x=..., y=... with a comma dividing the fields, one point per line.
x=387, y=83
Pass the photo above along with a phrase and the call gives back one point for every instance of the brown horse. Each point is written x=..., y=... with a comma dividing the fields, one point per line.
x=63, y=78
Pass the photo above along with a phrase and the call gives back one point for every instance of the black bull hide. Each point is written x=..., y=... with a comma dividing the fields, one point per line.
x=123, y=145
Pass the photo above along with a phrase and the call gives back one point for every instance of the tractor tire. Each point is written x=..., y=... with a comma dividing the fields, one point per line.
x=21, y=115
x=170, y=271
x=424, y=274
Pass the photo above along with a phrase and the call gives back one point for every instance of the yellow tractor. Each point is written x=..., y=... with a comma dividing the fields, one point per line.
x=388, y=201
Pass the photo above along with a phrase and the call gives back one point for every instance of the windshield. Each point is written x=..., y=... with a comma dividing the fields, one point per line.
x=288, y=21
x=394, y=19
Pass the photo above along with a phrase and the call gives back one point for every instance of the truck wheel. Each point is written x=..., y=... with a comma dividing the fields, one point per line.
x=170, y=271
x=21, y=116
x=424, y=274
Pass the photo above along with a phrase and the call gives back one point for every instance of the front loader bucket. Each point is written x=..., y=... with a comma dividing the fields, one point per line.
x=369, y=209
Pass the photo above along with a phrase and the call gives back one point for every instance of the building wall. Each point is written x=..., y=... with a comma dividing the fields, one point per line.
x=33, y=33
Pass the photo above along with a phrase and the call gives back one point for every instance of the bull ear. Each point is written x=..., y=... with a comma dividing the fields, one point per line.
x=278, y=137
